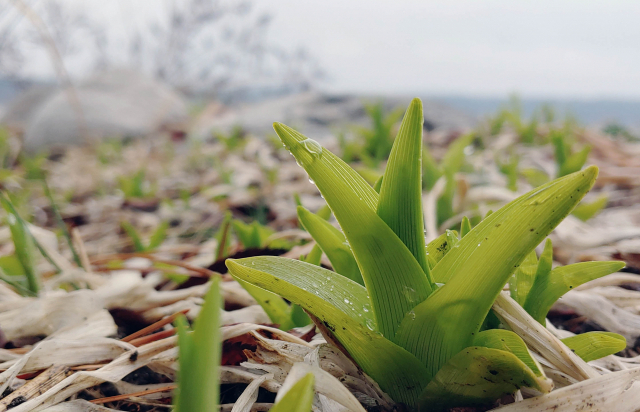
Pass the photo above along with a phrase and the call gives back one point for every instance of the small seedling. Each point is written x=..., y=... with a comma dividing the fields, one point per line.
x=199, y=359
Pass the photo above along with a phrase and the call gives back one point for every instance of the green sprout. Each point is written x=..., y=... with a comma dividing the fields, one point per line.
x=155, y=240
x=136, y=186
x=416, y=326
x=373, y=144
x=200, y=354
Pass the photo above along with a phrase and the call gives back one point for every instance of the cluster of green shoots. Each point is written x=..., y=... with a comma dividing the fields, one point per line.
x=414, y=316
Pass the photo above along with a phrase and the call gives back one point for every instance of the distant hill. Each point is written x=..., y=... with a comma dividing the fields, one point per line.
x=588, y=112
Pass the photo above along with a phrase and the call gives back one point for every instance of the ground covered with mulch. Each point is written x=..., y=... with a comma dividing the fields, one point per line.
x=149, y=222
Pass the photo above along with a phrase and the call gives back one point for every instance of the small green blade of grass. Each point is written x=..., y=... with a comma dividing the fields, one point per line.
x=343, y=307
x=394, y=279
x=299, y=398
x=400, y=202
x=547, y=290
x=595, y=345
x=248, y=234
x=585, y=211
x=475, y=271
x=333, y=243
x=131, y=231
x=478, y=376
x=61, y=224
x=200, y=353
x=508, y=341
x=276, y=308
x=299, y=316
x=23, y=243
x=223, y=237
x=454, y=157
x=158, y=236
x=575, y=161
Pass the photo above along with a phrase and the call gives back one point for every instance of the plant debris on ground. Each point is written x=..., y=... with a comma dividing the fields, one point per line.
x=104, y=249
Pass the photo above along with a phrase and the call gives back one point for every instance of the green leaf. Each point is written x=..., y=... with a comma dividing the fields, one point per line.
x=547, y=290
x=574, y=162
x=454, y=157
x=276, y=308
x=299, y=398
x=535, y=177
x=158, y=236
x=509, y=341
x=131, y=231
x=444, y=204
x=333, y=244
x=200, y=354
x=521, y=281
x=400, y=203
x=378, y=184
x=23, y=243
x=585, y=211
x=595, y=345
x=431, y=172
x=476, y=270
x=394, y=279
x=465, y=226
x=299, y=316
x=438, y=247
x=478, y=376
x=223, y=237
x=343, y=307
x=248, y=234
x=315, y=256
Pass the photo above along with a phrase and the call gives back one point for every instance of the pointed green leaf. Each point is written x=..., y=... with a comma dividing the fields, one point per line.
x=394, y=279
x=509, y=341
x=574, y=162
x=400, y=203
x=333, y=244
x=131, y=231
x=478, y=376
x=158, y=236
x=465, y=226
x=299, y=398
x=431, y=172
x=595, y=345
x=547, y=290
x=477, y=268
x=200, y=354
x=454, y=157
x=343, y=306
x=585, y=211
x=276, y=308
x=23, y=244
x=315, y=256
x=521, y=281
x=378, y=184
x=248, y=234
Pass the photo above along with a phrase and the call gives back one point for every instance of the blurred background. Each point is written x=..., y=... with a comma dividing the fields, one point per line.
x=65, y=64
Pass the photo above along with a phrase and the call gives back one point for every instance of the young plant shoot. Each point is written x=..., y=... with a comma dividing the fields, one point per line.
x=411, y=315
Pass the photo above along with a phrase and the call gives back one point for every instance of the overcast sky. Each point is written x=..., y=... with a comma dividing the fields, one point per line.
x=542, y=48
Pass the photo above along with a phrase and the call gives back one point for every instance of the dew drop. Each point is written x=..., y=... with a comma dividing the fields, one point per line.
x=312, y=147
x=370, y=324
x=412, y=315
x=346, y=300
